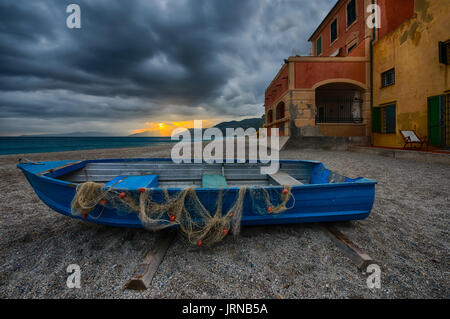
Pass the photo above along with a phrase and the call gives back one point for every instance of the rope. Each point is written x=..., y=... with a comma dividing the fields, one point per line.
x=183, y=209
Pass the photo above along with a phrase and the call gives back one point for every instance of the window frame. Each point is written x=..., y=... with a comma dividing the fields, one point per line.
x=269, y=116
x=351, y=46
x=380, y=119
x=337, y=30
x=348, y=26
x=321, y=46
x=444, y=52
x=384, y=83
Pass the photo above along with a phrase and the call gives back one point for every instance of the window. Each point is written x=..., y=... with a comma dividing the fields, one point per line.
x=351, y=47
x=351, y=12
x=333, y=30
x=388, y=78
x=269, y=117
x=319, y=46
x=279, y=112
x=384, y=119
x=444, y=52
x=447, y=118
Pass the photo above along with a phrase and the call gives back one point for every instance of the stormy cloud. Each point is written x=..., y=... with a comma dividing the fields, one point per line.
x=141, y=61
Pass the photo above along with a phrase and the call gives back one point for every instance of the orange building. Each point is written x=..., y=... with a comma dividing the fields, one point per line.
x=411, y=74
x=330, y=93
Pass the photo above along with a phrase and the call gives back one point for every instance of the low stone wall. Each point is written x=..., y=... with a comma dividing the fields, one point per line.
x=326, y=142
x=342, y=129
x=428, y=157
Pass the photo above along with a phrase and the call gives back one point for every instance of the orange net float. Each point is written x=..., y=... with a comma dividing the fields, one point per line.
x=122, y=195
x=104, y=202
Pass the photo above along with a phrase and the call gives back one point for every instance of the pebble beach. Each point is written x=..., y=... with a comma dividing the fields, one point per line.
x=407, y=234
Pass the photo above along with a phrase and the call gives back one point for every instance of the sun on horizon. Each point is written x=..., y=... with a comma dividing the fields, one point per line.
x=166, y=128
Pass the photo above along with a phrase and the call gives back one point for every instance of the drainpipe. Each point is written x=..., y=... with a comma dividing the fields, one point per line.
x=371, y=73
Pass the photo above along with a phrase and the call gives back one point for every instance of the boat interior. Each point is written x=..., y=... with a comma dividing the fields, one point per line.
x=171, y=175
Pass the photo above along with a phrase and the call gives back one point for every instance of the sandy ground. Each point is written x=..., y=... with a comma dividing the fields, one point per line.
x=407, y=233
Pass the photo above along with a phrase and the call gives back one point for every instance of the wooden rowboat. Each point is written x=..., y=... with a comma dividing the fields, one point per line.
x=317, y=194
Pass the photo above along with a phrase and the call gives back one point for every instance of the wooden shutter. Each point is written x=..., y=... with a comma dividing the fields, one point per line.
x=443, y=53
x=376, y=120
x=390, y=119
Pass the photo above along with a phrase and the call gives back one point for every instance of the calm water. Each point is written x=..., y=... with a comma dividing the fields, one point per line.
x=25, y=145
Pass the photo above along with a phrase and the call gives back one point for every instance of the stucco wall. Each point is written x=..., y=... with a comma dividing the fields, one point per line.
x=307, y=74
x=393, y=14
x=412, y=50
x=278, y=87
x=342, y=129
x=356, y=31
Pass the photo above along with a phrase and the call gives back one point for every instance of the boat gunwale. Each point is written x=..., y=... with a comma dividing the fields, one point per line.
x=54, y=174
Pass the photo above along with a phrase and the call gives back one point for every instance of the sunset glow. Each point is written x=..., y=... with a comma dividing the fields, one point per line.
x=166, y=128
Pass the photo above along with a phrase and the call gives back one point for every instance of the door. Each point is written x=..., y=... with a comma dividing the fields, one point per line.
x=447, y=120
x=436, y=120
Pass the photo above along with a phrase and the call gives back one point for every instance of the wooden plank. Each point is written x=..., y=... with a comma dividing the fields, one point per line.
x=145, y=272
x=176, y=173
x=51, y=170
x=351, y=250
x=168, y=177
x=214, y=181
x=283, y=178
x=171, y=166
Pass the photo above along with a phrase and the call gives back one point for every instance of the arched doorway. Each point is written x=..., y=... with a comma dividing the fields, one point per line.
x=280, y=111
x=339, y=103
x=269, y=117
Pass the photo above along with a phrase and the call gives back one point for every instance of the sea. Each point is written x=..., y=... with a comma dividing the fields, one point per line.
x=28, y=144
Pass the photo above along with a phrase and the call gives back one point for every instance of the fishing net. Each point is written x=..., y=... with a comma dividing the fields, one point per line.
x=158, y=208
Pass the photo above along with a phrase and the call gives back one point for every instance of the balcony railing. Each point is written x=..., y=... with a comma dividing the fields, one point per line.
x=338, y=110
x=338, y=120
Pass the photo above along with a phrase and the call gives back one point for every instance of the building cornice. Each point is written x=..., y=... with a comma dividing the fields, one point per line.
x=330, y=14
x=276, y=76
x=327, y=59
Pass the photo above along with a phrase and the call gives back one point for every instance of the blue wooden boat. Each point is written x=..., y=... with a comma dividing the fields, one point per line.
x=317, y=194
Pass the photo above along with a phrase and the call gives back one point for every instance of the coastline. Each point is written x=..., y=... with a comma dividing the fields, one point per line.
x=406, y=233
x=57, y=144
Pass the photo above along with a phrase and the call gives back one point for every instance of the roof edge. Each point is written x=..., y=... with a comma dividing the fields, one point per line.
x=324, y=19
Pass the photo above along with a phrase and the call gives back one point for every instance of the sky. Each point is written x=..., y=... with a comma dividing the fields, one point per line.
x=144, y=65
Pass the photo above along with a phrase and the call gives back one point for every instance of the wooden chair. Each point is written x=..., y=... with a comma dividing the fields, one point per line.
x=411, y=137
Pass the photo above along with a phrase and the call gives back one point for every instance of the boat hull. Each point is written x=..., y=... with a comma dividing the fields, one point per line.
x=317, y=202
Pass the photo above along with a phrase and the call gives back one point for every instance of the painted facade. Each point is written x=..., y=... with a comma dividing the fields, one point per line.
x=326, y=94
x=419, y=96
x=329, y=93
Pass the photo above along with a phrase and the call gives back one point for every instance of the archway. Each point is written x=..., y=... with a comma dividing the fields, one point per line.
x=339, y=103
x=269, y=117
x=280, y=111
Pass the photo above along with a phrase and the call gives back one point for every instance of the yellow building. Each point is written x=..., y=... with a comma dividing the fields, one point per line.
x=411, y=77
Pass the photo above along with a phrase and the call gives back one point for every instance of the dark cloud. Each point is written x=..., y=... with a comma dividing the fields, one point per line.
x=138, y=60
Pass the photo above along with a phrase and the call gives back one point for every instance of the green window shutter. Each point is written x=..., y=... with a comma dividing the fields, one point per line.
x=443, y=53
x=334, y=30
x=319, y=46
x=390, y=119
x=376, y=120
x=351, y=12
